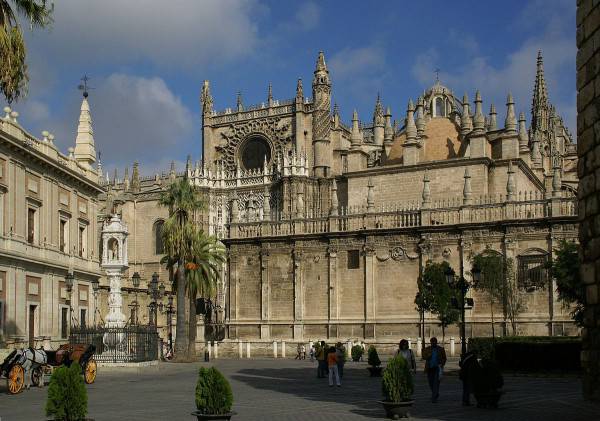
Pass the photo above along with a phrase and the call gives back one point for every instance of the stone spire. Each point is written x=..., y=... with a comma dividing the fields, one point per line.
x=299, y=91
x=115, y=177
x=467, y=190
x=266, y=205
x=493, y=125
x=206, y=98
x=556, y=179
x=355, y=134
x=270, y=94
x=240, y=104
x=388, y=132
x=126, y=181
x=336, y=115
x=188, y=166
x=370, y=198
x=321, y=120
x=99, y=165
x=411, y=128
x=536, y=153
x=510, y=124
x=378, y=117
x=523, y=135
x=478, y=119
x=333, y=210
x=466, y=125
x=85, y=151
x=135, y=178
x=172, y=173
x=510, y=183
x=539, y=105
x=426, y=196
x=420, y=120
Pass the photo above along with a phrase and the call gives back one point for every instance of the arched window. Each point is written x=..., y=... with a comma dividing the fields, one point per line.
x=440, y=107
x=159, y=247
x=254, y=152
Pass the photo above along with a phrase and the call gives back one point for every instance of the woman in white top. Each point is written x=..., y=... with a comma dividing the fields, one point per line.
x=408, y=355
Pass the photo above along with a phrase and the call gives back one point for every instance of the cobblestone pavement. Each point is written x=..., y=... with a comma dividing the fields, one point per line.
x=289, y=390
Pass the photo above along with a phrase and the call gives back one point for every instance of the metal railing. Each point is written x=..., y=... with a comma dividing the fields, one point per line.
x=128, y=344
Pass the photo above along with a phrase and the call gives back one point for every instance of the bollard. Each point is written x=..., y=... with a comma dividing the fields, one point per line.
x=240, y=348
x=282, y=349
x=452, y=346
x=209, y=349
x=419, y=343
x=274, y=349
x=409, y=343
x=247, y=349
x=216, y=349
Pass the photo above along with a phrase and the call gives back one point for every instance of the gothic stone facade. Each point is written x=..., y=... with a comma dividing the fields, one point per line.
x=328, y=226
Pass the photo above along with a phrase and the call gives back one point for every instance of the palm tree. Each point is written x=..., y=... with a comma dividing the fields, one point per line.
x=13, y=69
x=202, y=273
x=183, y=201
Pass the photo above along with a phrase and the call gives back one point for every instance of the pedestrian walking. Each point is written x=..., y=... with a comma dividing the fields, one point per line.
x=364, y=347
x=303, y=352
x=340, y=354
x=435, y=359
x=466, y=364
x=333, y=367
x=408, y=355
x=321, y=352
x=312, y=353
x=298, y=352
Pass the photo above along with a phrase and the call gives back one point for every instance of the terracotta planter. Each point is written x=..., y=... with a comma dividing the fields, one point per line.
x=488, y=399
x=396, y=410
x=375, y=371
x=206, y=417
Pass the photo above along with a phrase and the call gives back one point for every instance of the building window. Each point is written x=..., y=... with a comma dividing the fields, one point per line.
x=440, y=107
x=353, y=259
x=159, y=247
x=31, y=225
x=64, y=234
x=82, y=240
x=254, y=152
x=83, y=316
x=64, y=322
x=533, y=273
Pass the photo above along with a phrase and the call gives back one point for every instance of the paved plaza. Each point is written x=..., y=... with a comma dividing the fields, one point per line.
x=289, y=390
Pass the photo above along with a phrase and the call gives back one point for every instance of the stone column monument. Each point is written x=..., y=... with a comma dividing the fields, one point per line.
x=114, y=262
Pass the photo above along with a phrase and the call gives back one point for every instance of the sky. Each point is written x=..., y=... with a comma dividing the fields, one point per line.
x=147, y=59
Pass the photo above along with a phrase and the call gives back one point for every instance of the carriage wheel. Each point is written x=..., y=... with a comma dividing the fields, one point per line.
x=16, y=379
x=37, y=377
x=89, y=373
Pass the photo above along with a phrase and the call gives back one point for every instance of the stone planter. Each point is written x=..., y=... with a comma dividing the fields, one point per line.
x=206, y=417
x=375, y=371
x=396, y=410
x=488, y=399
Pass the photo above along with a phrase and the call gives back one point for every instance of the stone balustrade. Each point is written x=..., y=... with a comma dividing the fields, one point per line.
x=408, y=218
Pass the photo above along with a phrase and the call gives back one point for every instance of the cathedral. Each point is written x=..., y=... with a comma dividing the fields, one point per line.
x=328, y=225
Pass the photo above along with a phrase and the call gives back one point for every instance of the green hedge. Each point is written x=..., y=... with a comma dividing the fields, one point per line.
x=531, y=353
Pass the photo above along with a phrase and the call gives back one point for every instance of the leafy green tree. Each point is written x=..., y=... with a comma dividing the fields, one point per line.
x=438, y=295
x=491, y=282
x=183, y=202
x=565, y=270
x=67, y=395
x=13, y=69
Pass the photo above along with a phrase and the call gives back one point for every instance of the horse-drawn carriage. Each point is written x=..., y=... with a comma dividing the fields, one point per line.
x=24, y=367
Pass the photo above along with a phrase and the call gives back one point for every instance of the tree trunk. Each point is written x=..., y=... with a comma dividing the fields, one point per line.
x=181, y=340
x=192, y=329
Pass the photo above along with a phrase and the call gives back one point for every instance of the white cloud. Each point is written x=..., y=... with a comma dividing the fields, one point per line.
x=178, y=34
x=307, y=16
x=352, y=62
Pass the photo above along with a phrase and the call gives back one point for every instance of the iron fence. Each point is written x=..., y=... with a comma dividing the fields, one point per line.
x=128, y=344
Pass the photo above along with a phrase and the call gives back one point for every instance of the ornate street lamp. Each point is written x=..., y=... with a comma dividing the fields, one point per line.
x=135, y=279
x=95, y=286
x=154, y=292
x=69, y=278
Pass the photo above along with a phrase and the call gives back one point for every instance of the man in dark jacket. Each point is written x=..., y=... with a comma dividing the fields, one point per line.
x=435, y=360
x=466, y=363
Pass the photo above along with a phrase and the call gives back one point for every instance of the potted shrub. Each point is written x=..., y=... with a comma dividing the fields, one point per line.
x=374, y=362
x=356, y=352
x=213, y=395
x=487, y=383
x=67, y=396
x=397, y=388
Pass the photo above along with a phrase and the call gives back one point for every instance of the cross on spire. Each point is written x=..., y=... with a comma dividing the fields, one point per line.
x=437, y=74
x=84, y=86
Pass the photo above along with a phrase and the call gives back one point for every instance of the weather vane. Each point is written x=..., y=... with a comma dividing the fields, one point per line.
x=84, y=86
x=437, y=75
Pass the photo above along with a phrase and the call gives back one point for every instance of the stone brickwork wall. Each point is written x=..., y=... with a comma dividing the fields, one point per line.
x=588, y=148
